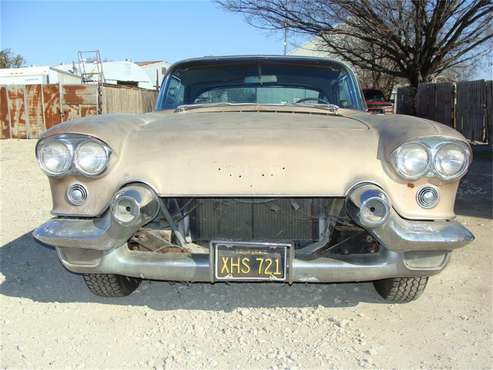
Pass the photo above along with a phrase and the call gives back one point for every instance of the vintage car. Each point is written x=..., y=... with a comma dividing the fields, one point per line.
x=376, y=102
x=256, y=169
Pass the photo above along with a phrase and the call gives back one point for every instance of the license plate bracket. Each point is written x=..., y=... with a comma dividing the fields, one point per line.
x=249, y=261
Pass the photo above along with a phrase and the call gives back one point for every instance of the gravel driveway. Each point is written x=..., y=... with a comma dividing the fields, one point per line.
x=49, y=319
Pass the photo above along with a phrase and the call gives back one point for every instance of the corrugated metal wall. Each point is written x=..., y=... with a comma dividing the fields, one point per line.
x=26, y=111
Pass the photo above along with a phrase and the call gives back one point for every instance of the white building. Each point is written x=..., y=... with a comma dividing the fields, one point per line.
x=148, y=75
x=37, y=75
x=155, y=69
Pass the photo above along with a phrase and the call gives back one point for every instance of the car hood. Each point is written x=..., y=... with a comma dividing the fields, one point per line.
x=238, y=153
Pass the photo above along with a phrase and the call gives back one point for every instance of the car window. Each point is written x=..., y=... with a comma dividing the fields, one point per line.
x=260, y=82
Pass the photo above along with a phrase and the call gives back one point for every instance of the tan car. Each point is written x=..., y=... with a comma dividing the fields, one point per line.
x=255, y=169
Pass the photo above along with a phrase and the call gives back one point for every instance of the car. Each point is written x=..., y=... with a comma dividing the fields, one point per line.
x=376, y=102
x=255, y=169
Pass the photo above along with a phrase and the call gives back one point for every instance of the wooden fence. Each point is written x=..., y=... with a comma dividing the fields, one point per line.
x=26, y=111
x=466, y=106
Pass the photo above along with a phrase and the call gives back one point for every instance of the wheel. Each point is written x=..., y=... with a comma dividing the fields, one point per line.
x=110, y=285
x=401, y=290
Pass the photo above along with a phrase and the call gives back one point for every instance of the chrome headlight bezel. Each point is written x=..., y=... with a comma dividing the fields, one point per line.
x=465, y=166
x=77, y=162
x=50, y=141
x=400, y=171
x=72, y=142
x=433, y=145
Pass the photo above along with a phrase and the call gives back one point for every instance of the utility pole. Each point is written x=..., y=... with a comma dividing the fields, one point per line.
x=285, y=38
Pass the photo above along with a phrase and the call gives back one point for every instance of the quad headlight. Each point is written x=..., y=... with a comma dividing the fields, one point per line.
x=411, y=160
x=451, y=160
x=447, y=160
x=91, y=158
x=64, y=154
x=55, y=157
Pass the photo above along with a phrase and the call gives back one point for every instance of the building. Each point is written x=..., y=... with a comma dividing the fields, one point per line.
x=155, y=69
x=145, y=75
x=37, y=75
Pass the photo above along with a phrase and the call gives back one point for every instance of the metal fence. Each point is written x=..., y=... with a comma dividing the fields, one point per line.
x=466, y=106
x=26, y=111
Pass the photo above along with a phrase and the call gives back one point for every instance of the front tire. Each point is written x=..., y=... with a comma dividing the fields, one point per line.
x=110, y=285
x=401, y=290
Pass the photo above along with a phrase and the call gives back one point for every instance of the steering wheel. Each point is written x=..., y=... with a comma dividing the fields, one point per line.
x=318, y=100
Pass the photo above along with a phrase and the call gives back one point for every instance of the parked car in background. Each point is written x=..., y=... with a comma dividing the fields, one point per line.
x=376, y=102
x=255, y=169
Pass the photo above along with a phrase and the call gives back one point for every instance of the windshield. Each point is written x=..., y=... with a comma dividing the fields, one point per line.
x=260, y=82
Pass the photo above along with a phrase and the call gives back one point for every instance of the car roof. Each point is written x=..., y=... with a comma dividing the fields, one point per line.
x=256, y=58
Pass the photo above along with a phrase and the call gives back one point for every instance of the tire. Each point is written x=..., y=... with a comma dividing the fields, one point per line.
x=110, y=285
x=401, y=290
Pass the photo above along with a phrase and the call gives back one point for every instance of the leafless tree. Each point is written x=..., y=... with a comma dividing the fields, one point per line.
x=418, y=39
x=9, y=60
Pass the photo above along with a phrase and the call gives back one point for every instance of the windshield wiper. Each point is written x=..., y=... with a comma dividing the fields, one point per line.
x=333, y=108
x=185, y=107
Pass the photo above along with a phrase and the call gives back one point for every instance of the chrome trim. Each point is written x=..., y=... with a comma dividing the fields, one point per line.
x=433, y=145
x=197, y=267
x=72, y=141
x=101, y=233
x=467, y=163
x=107, y=150
x=399, y=234
x=73, y=187
x=396, y=152
x=422, y=189
x=359, y=197
x=62, y=139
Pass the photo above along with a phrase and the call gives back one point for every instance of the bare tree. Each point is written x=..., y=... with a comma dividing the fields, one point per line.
x=418, y=39
x=9, y=60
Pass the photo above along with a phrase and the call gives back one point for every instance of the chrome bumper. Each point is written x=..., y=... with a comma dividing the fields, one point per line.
x=412, y=248
x=397, y=234
x=196, y=267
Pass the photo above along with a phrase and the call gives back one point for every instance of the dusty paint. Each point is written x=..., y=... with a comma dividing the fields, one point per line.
x=17, y=112
x=4, y=114
x=34, y=111
x=51, y=106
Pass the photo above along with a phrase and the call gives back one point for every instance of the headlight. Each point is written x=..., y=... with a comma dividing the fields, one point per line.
x=411, y=160
x=91, y=158
x=54, y=157
x=451, y=160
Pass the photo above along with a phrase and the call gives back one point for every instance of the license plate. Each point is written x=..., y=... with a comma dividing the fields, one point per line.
x=250, y=261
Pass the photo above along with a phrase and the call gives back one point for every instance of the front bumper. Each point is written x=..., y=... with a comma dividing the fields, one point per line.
x=412, y=248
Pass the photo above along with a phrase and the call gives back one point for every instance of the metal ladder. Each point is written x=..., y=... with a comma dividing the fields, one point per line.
x=90, y=66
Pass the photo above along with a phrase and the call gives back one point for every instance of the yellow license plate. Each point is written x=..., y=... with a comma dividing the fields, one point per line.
x=250, y=261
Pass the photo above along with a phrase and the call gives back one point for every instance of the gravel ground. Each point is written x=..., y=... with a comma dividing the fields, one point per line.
x=49, y=319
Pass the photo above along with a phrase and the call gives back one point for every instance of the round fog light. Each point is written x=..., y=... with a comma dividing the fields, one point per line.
x=76, y=194
x=427, y=197
x=125, y=209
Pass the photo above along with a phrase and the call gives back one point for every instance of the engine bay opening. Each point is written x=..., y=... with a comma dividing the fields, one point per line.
x=315, y=226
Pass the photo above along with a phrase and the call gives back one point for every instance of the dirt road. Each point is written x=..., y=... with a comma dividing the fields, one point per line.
x=49, y=319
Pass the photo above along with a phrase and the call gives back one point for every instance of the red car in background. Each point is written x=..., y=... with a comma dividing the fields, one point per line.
x=376, y=102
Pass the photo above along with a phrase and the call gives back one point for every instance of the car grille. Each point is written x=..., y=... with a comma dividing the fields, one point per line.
x=294, y=219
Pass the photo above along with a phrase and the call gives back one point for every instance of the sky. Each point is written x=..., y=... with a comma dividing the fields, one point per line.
x=50, y=32
x=46, y=32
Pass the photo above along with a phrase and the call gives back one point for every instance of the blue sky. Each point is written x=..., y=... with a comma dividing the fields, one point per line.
x=49, y=32
x=52, y=32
